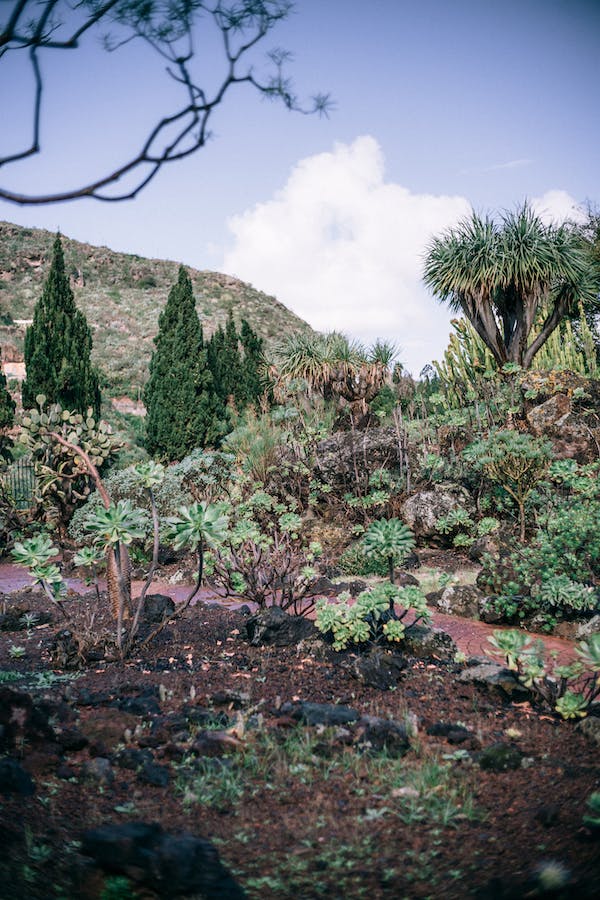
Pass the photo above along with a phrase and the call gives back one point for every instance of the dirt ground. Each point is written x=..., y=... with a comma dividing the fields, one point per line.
x=206, y=734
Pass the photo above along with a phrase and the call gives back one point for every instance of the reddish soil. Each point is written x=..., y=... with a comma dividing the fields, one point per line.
x=295, y=810
x=469, y=635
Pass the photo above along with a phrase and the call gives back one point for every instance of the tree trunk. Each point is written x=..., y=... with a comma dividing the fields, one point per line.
x=113, y=587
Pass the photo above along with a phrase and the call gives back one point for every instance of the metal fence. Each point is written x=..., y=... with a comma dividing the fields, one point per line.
x=19, y=481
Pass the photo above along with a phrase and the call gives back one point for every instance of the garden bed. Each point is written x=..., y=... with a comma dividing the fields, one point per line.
x=207, y=734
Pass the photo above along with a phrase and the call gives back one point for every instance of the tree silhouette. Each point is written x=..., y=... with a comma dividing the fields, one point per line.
x=177, y=30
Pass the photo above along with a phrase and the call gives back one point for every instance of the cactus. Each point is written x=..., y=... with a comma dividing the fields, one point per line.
x=468, y=364
x=56, y=437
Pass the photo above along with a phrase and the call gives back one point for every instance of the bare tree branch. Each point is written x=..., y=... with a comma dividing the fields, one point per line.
x=170, y=27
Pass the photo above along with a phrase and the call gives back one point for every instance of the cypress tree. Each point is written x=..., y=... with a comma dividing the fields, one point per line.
x=7, y=415
x=7, y=404
x=179, y=398
x=58, y=346
x=252, y=363
x=226, y=364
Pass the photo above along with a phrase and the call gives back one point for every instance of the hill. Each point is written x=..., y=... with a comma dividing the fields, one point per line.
x=122, y=295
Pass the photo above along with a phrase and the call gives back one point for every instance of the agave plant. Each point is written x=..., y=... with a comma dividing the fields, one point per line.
x=571, y=705
x=390, y=540
x=121, y=523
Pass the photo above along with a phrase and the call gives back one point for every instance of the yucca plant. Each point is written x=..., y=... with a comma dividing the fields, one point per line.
x=390, y=540
x=334, y=367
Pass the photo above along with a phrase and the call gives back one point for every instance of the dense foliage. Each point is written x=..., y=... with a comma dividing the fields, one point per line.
x=179, y=396
x=58, y=347
x=7, y=415
x=503, y=275
x=197, y=386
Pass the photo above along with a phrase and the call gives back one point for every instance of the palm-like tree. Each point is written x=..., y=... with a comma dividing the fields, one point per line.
x=334, y=367
x=503, y=275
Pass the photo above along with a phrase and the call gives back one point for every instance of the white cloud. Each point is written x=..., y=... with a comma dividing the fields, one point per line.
x=558, y=206
x=343, y=248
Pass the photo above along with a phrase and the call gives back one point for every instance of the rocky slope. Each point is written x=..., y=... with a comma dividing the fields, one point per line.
x=121, y=295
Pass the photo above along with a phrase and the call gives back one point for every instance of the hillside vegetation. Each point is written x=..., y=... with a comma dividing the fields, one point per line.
x=121, y=295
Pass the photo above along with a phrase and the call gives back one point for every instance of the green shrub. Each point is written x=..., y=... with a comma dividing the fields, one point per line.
x=377, y=616
x=354, y=561
x=202, y=475
x=553, y=686
x=561, y=593
x=515, y=461
x=388, y=540
x=557, y=573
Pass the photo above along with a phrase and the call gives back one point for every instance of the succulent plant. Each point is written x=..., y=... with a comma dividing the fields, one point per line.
x=390, y=540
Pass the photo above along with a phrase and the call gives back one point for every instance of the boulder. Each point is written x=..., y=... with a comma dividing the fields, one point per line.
x=459, y=600
x=422, y=510
x=273, y=627
x=215, y=743
x=23, y=722
x=320, y=713
x=14, y=779
x=171, y=864
x=378, y=734
x=550, y=414
x=346, y=454
x=405, y=579
x=454, y=734
x=98, y=770
x=590, y=727
x=563, y=416
x=424, y=642
x=378, y=669
x=495, y=678
x=324, y=586
x=156, y=608
x=155, y=775
x=488, y=612
x=500, y=757
x=585, y=629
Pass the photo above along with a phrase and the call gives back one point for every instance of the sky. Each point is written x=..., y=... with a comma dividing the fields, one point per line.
x=441, y=107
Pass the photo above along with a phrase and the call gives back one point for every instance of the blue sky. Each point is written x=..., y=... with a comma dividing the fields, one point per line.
x=440, y=106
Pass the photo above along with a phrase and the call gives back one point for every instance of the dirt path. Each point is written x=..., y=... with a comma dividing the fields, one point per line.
x=471, y=636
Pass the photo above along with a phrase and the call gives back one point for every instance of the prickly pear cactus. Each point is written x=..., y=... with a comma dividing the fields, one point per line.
x=63, y=479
